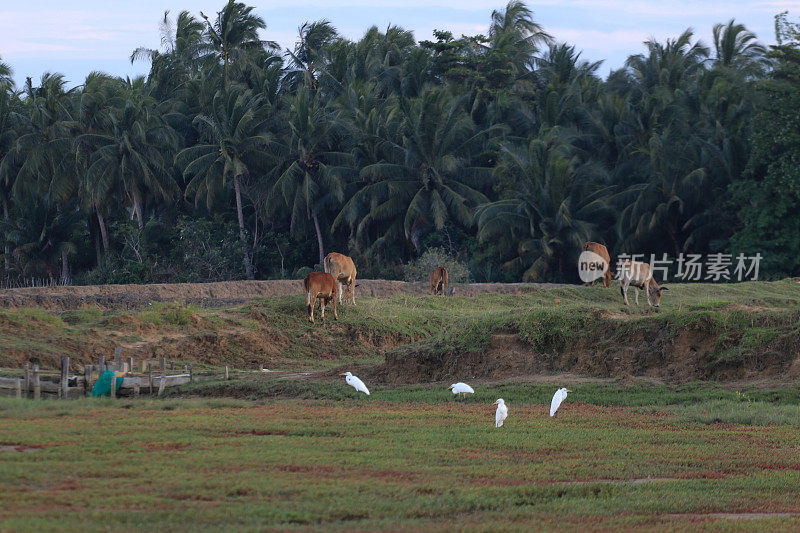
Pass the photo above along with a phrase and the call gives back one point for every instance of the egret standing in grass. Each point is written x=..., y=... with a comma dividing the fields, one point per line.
x=461, y=389
x=354, y=382
x=501, y=414
x=558, y=397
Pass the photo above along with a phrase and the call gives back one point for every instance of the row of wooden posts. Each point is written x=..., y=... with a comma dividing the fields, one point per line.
x=32, y=383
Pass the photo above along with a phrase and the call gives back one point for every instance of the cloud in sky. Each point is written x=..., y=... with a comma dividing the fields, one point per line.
x=86, y=35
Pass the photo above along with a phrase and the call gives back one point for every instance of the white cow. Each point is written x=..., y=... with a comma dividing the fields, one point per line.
x=640, y=276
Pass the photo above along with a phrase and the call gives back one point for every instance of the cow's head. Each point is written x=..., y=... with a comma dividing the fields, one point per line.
x=656, y=292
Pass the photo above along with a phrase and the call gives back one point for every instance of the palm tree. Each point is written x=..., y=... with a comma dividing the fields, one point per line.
x=234, y=35
x=41, y=235
x=311, y=165
x=9, y=102
x=41, y=158
x=134, y=153
x=233, y=145
x=668, y=65
x=659, y=209
x=514, y=33
x=736, y=47
x=549, y=207
x=428, y=176
x=182, y=45
x=93, y=115
x=308, y=57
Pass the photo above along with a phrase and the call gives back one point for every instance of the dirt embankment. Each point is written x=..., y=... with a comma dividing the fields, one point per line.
x=658, y=350
x=218, y=294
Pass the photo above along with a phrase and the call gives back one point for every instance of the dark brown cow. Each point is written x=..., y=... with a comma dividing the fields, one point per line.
x=320, y=285
x=602, y=251
x=439, y=281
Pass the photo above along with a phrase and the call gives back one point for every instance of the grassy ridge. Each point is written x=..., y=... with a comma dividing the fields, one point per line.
x=742, y=318
x=366, y=465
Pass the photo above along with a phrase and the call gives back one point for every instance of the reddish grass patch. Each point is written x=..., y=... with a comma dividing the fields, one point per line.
x=307, y=469
x=172, y=446
x=21, y=448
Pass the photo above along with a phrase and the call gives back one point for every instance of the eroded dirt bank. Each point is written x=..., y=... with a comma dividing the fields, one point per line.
x=611, y=347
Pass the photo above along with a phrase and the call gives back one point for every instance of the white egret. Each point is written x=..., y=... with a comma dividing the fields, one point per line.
x=461, y=388
x=354, y=382
x=558, y=397
x=501, y=414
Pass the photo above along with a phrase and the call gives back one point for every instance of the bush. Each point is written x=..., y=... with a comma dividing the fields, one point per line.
x=302, y=272
x=421, y=269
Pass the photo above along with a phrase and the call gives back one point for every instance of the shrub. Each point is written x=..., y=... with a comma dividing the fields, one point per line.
x=421, y=269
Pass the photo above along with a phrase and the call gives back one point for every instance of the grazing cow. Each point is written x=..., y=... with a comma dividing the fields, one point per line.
x=439, y=281
x=602, y=251
x=639, y=275
x=320, y=285
x=343, y=271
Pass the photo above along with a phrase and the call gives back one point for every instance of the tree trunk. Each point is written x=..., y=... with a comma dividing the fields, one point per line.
x=98, y=251
x=103, y=232
x=319, y=239
x=137, y=210
x=6, y=249
x=248, y=267
x=66, y=279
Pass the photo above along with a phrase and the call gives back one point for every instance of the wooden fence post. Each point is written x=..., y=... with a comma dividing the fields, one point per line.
x=102, y=364
x=162, y=384
x=27, y=378
x=37, y=387
x=64, y=377
x=226, y=372
x=130, y=364
x=136, y=388
x=87, y=380
x=150, y=377
x=18, y=384
x=191, y=372
x=118, y=358
x=163, y=365
x=114, y=385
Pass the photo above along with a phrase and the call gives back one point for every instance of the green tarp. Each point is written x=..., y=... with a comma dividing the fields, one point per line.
x=102, y=387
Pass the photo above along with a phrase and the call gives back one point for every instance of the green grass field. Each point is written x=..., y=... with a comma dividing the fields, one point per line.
x=264, y=451
x=416, y=460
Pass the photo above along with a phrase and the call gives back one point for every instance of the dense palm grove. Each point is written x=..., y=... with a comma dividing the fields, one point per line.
x=233, y=159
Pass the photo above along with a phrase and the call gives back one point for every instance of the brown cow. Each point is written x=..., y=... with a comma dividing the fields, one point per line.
x=343, y=271
x=439, y=281
x=320, y=285
x=602, y=251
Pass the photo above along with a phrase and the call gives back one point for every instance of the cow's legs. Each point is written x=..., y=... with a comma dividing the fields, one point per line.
x=311, y=300
x=637, y=295
x=335, y=312
x=322, y=309
x=623, y=289
x=339, y=289
x=353, y=290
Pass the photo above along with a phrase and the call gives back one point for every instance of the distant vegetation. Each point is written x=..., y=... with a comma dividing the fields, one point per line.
x=234, y=159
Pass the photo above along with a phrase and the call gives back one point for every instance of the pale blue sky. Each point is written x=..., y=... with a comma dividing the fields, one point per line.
x=45, y=35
